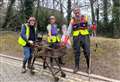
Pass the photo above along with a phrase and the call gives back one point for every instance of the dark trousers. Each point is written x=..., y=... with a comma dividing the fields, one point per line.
x=83, y=41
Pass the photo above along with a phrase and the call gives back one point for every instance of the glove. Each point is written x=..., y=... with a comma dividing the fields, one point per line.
x=30, y=41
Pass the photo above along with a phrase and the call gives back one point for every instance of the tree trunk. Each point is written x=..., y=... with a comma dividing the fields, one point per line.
x=1, y=1
x=116, y=18
x=97, y=12
x=37, y=12
x=61, y=9
x=105, y=13
x=28, y=8
x=8, y=14
x=69, y=11
x=92, y=10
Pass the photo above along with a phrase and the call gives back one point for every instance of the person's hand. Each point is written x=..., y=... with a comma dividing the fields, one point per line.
x=30, y=41
x=51, y=38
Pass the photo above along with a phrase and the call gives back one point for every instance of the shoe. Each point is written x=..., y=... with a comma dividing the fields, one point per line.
x=29, y=67
x=88, y=71
x=76, y=69
x=23, y=70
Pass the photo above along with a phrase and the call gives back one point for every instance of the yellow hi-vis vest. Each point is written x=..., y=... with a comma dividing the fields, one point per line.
x=80, y=31
x=53, y=39
x=21, y=41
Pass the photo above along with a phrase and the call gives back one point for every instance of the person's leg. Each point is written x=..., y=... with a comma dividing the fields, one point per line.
x=86, y=47
x=76, y=46
x=26, y=58
x=30, y=58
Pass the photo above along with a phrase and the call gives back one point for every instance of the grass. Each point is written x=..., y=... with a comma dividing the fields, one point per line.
x=105, y=58
x=9, y=45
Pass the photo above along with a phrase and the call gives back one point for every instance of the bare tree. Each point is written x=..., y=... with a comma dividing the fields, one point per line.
x=37, y=11
x=1, y=3
x=61, y=9
x=97, y=12
x=69, y=10
x=105, y=11
x=92, y=10
x=8, y=13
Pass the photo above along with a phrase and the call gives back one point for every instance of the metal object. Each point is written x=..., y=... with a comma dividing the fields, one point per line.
x=43, y=51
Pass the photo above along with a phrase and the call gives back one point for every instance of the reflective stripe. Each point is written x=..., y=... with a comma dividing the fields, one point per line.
x=54, y=39
x=76, y=33
x=84, y=32
x=27, y=31
x=21, y=41
x=81, y=32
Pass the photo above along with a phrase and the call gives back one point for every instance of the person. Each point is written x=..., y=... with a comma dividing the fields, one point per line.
x=78, y=27
x=27, y=36
x=93, y=28
x=53, y=37
x=66, y=41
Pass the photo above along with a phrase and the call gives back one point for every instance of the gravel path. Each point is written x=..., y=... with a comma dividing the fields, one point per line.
x=10, y=71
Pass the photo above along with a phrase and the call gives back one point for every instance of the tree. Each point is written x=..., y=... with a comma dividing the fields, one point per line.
x=28, y=8
x=69, y=10
x=8, y=13
x=1, y=3
x=105, y=12
x=97, y=12
x=116, y=18
x=92, y=10
x=61, y=9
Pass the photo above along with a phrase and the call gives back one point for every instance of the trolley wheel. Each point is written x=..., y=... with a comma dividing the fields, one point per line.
x=63, y=74
x=56, y=79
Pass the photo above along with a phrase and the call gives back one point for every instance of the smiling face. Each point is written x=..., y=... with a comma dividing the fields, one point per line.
x=32, y=21
x=52, y=19
x=77, y=12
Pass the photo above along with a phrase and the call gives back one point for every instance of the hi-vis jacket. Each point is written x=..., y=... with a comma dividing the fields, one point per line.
x=78, y=27
x=54, y=34
x=25, y=35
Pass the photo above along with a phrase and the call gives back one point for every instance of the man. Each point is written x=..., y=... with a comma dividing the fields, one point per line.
x=27, y=37
x=53, y=38
x=80, y=33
